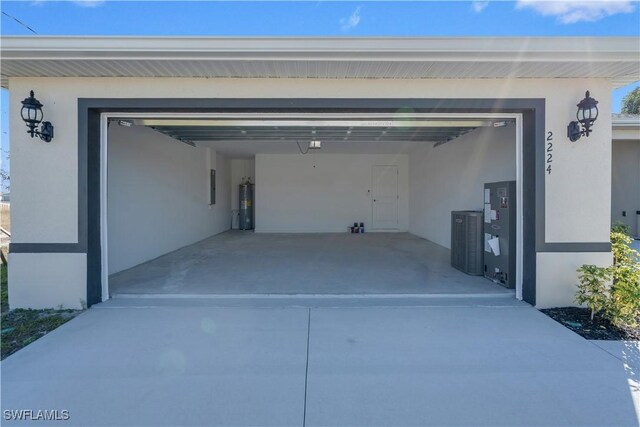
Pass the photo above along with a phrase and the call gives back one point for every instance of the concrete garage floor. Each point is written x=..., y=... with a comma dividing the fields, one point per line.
x=455, y=361
x=239, y=262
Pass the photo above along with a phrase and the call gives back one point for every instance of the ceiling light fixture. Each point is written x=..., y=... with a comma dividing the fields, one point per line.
x=315, y=144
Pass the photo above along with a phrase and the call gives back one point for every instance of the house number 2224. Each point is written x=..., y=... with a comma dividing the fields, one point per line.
x=549, y=152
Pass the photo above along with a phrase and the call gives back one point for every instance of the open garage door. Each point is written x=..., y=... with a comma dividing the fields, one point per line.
x=315, y=178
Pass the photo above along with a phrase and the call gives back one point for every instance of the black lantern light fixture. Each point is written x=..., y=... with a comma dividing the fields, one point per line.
x=32, y=115
x=586, y=115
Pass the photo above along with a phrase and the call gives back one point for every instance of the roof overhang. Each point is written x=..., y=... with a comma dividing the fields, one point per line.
x=614, y=58
x=625, y=120
x=625, y=127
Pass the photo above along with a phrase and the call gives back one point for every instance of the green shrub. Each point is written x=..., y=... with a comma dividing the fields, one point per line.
x=624, y=307
x=619, y=302
x=592, y=289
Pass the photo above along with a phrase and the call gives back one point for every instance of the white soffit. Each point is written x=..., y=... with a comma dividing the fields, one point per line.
x=616, y=58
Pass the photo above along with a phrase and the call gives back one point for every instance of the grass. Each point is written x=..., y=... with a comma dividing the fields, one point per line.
x=21, y=327
x=4, y=291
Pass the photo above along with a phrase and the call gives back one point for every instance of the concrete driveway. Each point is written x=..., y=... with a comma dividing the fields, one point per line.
x=432, y=361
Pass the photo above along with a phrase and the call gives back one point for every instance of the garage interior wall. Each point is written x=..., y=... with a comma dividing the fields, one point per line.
x=625, y=183
x=158, y=195
x=294, y=196
x=451, y=177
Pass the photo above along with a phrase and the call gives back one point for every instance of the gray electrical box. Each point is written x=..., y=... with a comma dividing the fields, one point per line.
x=500, y=233
x=466, y=241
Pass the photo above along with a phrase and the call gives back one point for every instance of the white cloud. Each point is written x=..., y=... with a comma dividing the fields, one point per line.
x=572, y=11
x=81, y=3
x=88, y=3
x=352, y=21
x=479, y=6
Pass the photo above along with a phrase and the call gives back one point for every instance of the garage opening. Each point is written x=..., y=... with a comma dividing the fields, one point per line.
x=308, y=203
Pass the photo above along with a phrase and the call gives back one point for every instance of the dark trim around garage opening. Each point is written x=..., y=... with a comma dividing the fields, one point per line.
x=46, y=248
x=89, y=111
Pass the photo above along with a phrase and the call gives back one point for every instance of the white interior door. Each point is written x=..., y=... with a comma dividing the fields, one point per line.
x=384, y=197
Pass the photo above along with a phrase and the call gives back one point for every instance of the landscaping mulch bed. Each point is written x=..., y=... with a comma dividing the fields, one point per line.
x=21, y=327
x=579, y=321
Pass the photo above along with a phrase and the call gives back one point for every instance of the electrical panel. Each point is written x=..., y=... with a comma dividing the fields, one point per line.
x=500, y=233
x=466, y=241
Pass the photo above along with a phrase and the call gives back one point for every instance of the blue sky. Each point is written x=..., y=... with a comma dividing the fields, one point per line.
x=320, y=18
x=361, y=18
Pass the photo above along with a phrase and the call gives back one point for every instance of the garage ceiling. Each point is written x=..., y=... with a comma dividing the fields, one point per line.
x=325, y=129
x=246, y=134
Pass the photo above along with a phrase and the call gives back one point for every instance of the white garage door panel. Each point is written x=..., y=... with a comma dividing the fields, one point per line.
x=385, y=197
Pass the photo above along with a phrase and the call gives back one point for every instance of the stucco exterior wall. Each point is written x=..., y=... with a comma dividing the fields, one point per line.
x=158, y=195
x=293, y=196
x=452, y=177
x=625, y=186
x=556, y=276
x=48, y=281
x=45, y=176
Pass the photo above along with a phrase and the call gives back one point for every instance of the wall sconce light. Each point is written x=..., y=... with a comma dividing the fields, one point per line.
x=32, y=115
x=586, y=115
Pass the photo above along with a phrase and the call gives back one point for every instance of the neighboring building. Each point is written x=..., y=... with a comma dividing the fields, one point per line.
x=625, y=171
x=411, y=129
x=5, y=215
